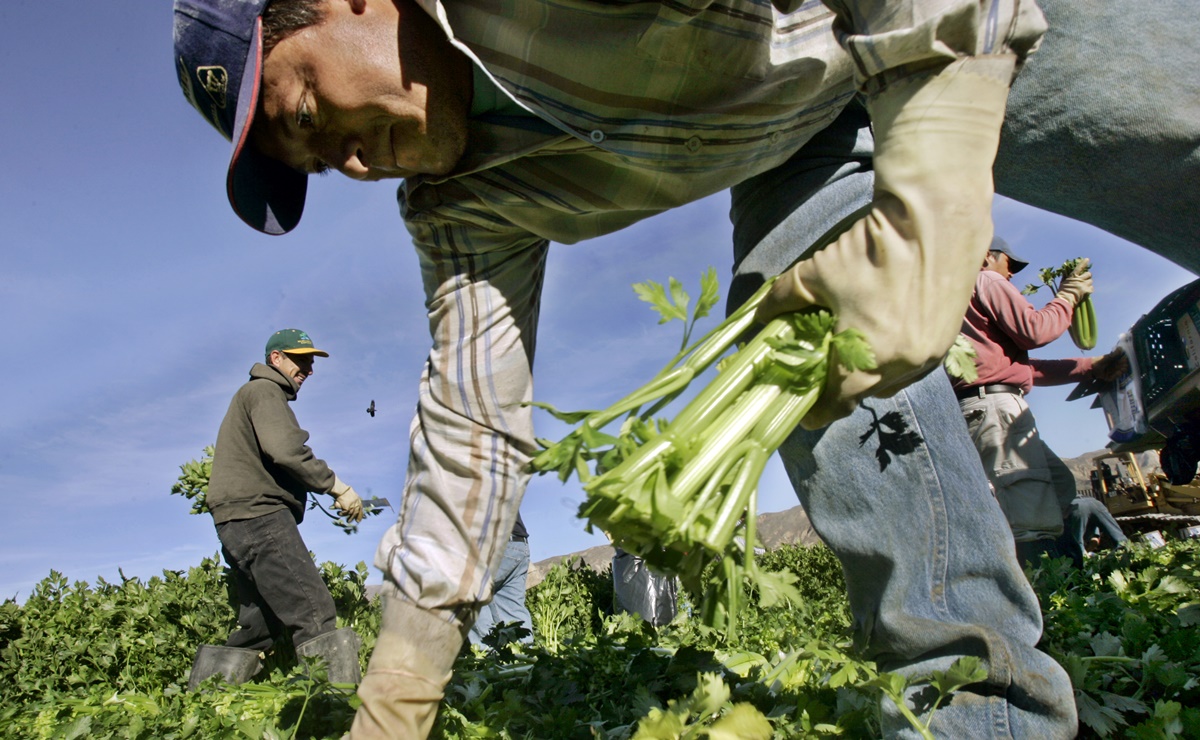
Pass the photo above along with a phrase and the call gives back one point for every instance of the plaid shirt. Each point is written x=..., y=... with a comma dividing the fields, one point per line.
x=637, y=108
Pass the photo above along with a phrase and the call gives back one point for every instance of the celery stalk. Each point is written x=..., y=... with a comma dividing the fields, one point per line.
x=678, y=493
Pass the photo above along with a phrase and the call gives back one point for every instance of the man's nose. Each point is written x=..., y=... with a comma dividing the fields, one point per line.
x=350, y=160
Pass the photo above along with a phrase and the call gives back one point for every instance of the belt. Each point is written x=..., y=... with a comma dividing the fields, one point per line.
x=979, y=391
x=518, y=538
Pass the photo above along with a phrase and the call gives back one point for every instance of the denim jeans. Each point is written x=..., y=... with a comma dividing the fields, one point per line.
x=278, y=587
x=1087, y=518
x=508, y=596
x=930, y=562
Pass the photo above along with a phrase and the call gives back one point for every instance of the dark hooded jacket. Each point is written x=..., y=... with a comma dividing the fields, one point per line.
x=262, y=461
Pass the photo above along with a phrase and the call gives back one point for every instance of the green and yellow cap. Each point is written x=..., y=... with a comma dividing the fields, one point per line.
x=293, y=341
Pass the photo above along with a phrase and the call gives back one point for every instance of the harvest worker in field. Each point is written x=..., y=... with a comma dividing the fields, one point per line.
x=859, y=135
x=508, y=589
x=1033, y=486
x=262, y=472
x=1087, y=519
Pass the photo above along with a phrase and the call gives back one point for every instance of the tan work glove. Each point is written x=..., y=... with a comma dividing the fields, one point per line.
x=346, y=500
x=904, y=272
x=1078, y=285
x=1111, y=366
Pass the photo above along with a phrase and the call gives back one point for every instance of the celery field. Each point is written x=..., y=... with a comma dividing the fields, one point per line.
x=761, y=647
x=109, y=660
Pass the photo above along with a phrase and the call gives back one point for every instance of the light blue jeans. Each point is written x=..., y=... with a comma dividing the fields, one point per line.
x=1103, y=126
x=508, y=598
x=930, y=566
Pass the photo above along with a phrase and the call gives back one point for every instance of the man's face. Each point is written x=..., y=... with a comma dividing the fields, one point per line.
x=375, y=91
x=998, y=262
x=295, y=366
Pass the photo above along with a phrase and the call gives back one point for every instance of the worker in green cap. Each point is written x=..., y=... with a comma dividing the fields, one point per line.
x=262, y=473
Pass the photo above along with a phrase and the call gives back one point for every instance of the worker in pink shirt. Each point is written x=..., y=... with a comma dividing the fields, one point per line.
x=1032, y=485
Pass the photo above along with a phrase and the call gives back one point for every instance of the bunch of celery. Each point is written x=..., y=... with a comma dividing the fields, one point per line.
x=679, y=493
x=1083, y=320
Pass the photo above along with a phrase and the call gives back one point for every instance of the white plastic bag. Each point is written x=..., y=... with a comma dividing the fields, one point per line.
x=639, y=590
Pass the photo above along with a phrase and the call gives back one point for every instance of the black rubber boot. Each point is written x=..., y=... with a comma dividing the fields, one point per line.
x=339, y=649
x=237, y=665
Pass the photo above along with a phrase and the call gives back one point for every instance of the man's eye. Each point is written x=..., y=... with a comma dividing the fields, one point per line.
x=320, y=168
x=304, y=117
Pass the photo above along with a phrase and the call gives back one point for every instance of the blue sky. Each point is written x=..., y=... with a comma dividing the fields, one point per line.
x=135, y=303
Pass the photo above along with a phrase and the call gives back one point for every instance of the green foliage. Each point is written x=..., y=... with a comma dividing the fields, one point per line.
x=569, y=604
x=1125, y=628
x=685, y=717
x=674, y=305
x=1051, y=277
x=960, y=360
x=963, y=672
x=110, y=661
x=625, y=679
x=131, y=636
x=192, y=483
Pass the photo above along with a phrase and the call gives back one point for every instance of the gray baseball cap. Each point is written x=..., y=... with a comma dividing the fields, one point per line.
x=1015, y=263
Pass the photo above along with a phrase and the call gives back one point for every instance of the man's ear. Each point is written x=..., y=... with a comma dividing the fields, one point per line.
x=274, y=357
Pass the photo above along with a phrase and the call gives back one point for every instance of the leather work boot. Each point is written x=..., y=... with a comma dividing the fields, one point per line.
x=407, y=675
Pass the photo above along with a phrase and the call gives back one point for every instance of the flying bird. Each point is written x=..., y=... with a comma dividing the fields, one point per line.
x=371, y=408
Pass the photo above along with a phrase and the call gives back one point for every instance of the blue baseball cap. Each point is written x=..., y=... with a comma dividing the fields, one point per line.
x=1015, y=263
x=218, y=53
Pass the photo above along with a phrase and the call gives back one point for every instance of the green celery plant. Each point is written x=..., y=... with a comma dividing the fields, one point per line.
x=1083, y=318
x=679, y=493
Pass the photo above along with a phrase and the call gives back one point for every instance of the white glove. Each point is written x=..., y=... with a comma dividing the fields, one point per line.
x=346, y=500
x=904, y=272
x=1078, y=285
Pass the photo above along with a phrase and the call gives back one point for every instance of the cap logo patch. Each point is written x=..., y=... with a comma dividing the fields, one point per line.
x=215, y=81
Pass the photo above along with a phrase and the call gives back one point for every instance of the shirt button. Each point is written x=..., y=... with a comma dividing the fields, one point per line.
x=693, y=144
x=596, y=136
